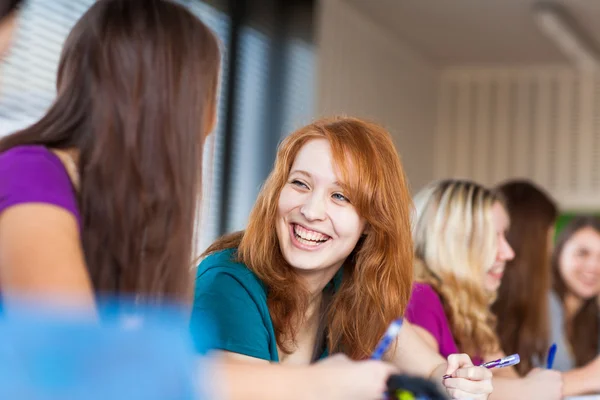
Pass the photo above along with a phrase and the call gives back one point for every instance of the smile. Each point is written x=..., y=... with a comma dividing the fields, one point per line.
x=496, y=274
x=305, y=238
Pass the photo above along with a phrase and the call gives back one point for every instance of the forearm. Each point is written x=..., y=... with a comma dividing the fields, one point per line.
x=510, y=389
x=580, y=381
x=232, y=380
x=413, y=356
x=437, y=375
x=438, y=372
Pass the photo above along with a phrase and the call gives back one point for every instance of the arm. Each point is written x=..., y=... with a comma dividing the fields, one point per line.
x=582, y=380
x=336, y=378
x=231, y=302
x=538, y=384
x=41, y=258
x=234, y=380
x=415, y=357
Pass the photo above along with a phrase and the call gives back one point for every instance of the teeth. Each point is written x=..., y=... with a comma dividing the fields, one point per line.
x=307, y=242
x=308, y=235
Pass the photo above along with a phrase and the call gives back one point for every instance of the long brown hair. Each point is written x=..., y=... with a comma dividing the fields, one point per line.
x=455, y=243
x=584, y=331
x=522, y=302
x=377, y=276
x=136, y=87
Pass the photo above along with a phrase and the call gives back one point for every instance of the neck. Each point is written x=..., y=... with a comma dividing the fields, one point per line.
x=315, y=281
x=572, y=305
x=314, y=306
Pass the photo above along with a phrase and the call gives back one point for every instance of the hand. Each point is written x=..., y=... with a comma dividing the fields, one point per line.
x=339, y=378
x=468, y=381
x=544, y=384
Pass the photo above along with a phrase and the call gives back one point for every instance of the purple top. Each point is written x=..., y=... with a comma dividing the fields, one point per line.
x=426, y=311
x=33, y=174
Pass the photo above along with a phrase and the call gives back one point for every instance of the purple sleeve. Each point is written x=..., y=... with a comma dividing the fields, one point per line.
x=32, y=174
x=426, y=311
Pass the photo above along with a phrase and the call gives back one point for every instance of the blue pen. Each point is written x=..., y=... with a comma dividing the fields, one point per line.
x=388, y=338
x=551, y=354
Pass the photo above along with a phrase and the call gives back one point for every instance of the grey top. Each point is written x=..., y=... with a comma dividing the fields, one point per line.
x=564, y=359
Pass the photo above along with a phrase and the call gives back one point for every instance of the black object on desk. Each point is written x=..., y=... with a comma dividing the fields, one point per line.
x=403, y=387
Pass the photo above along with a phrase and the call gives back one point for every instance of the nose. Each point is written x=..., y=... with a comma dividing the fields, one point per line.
x=505, y=251
x=313, y=208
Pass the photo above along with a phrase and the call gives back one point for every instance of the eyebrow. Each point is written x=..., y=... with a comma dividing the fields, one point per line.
x=308, y=175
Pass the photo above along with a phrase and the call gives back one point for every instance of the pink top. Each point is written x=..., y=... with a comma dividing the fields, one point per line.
x=426, y=311
x=33, y=174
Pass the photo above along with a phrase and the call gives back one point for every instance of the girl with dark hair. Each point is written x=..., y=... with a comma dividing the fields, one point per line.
x=522, y=302
x=574, y=307
x=100, y=195
x=533, y=297
x=461, y=252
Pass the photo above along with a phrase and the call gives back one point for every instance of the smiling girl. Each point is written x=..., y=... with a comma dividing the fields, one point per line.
x=325, y=263
x=460, y=254
x=574, y=308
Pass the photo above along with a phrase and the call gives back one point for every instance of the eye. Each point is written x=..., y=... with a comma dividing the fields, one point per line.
x=340, y=197
x=299, y=184
x=582, y=253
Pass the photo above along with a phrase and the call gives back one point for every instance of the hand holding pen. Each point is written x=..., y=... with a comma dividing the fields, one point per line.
x=388, y=338
x=551, y=355
x=507, y=361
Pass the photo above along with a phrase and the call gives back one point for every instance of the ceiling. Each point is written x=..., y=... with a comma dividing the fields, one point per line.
x=478, y=32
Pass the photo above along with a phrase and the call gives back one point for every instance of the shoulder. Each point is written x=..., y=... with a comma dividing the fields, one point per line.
x=229, y=297
x=425, y=306
x=33, y=174
x=426, y=311
x=423, y=295
x=222, y=269
x=30, y=157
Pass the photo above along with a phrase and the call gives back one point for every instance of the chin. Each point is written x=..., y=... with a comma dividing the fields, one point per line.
x=586, y=294
x=492, y=286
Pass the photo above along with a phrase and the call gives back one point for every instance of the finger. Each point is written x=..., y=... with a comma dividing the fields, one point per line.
x=455, y=361
x=468, y=386
x=473, y=373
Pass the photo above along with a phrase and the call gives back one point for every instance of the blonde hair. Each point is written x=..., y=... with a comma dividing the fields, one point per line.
x=455, y=244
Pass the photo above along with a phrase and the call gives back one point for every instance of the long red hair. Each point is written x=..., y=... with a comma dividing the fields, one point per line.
x=377, y=276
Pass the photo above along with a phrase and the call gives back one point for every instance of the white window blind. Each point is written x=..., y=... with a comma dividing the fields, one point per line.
x=28, y=81
x=27, y=88
x=294, y=94
x=212, y=169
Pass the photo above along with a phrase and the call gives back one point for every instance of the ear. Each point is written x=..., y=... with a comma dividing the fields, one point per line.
x=366, y=230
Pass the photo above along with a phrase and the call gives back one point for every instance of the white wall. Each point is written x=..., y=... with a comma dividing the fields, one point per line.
x=365, y=71
x=541, y=123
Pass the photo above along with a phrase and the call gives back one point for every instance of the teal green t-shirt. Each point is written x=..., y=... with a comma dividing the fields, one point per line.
x=233, y=300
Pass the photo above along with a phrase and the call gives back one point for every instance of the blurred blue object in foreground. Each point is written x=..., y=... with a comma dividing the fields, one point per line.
x=133, y=353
